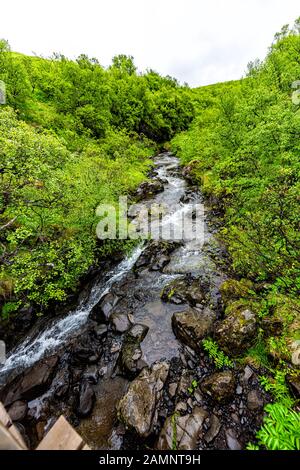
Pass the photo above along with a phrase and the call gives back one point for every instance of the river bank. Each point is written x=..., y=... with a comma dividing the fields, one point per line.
x=126, y=367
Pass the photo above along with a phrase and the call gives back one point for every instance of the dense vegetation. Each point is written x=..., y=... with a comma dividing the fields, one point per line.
x=72, y=135
x=243, y=148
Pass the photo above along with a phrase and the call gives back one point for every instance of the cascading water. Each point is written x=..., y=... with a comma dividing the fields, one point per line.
x=46, y=342
x=160, y=342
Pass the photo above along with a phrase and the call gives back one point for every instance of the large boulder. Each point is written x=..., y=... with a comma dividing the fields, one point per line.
x=156, y=255
x=104, y=308
x=130, y=359
x=138, y=408
x=32, y=382
x=182, y=432
x=237, y=332
x=219, y=386
x=61, y=383
x=180, y=291
x=120, y=322
x=192, y=326
x=150, y=188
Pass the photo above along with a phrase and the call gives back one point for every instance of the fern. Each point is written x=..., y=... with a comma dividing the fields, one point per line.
x=278, y=388
x=281, y=428
x=216, y=354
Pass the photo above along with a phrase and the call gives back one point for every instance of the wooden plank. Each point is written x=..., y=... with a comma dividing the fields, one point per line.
x=86, y=447
x=8, y=424
x=61, y=437
x=7, y=441
x=4, y=417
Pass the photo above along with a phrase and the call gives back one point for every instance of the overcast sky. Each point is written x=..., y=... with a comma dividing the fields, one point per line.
x=196, y=41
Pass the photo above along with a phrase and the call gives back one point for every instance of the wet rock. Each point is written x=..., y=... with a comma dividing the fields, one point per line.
x=188, y=197
x=184, y=383
x=254, y=400
x=159, y=264
x=86, y=399
x=248, y=373
x=100, y=331
x=156, y=256
x=84, y=355
x=40, y=429
x=172, y=389
x=214, y=429
x=18, y=410
x=150, y=188
x=103, y=309
x=231, y=440
x=185, y=430
x=189, y=174
x=115, y=348
x=220, y=386
x=130, y=359
x=180, y=292
x=91, y=374
x=76, y=374
x=61, y=383
x=236, y=333
x=131, y=354
x=120, y=322
x=32, y=383
x=138, y=408
x=295, y=352
x=181, y=407
x=137, y=332
x=294, y=384
x=192, y=326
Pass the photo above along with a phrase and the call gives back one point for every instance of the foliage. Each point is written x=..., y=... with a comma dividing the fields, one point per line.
x=281, y=426
x=193, y=387
x=72, y=135
x=174, y=430
x=216, y=354
x=280, y=429
x=277, y=387
x=243, y=148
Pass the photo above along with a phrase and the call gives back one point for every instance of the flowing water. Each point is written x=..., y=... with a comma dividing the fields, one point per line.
x=189, y=258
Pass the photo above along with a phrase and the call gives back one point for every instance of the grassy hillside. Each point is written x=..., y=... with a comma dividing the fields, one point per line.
x=243, y=149
x=72, y=135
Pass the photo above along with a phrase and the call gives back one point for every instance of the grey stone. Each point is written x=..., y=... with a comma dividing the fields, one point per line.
x=138, y=408
x=220, y=386
x=186, y=430
x=231, y=440
x=192, y=326
x=236, y=333
x=214, y=429
x=18, y=410
x=254, y=400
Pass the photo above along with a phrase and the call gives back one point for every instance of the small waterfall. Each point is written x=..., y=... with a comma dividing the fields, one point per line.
x=49, y=340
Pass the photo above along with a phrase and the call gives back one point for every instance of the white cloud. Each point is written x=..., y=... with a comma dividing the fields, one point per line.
x=198, y=41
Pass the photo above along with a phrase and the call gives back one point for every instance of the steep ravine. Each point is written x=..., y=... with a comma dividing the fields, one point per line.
x=126, y=365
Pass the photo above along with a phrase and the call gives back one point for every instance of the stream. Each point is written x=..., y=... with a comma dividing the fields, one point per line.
x=138, y=297
x=154, y=313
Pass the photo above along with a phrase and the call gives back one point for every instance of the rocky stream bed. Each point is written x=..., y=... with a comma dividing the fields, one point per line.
x=126, y=366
